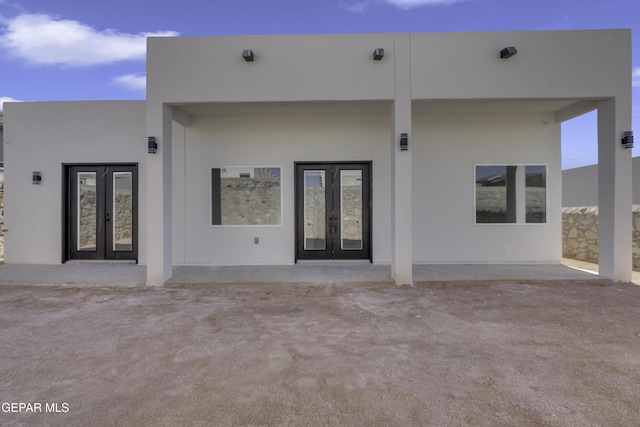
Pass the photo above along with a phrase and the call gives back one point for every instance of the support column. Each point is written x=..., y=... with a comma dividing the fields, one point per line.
x=401, y=177
x=614, y=189
x=158, y=221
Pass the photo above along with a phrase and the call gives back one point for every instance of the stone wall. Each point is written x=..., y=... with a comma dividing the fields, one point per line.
x=315, y=221
x=122, y=217
x=250, y=201
x=580, y=234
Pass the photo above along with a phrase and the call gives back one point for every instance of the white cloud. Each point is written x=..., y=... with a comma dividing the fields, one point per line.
x=45, y=40
x=358, y=7
x=4, y=99
x=362, y=5
x=408, y=4
x=635, y=77
x=133, y=82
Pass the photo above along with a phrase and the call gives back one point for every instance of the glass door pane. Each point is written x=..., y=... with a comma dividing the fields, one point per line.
x=315, y=215
x=87, y=211
x=351, y=209
x=122, y=211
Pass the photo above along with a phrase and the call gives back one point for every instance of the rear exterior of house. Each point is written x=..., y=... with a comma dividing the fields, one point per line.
x=396, y=149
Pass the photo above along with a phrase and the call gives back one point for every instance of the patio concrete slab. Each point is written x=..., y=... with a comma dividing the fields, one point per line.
x=533, y=353
x=321, y=272
x=131, y=275
x=84, y=274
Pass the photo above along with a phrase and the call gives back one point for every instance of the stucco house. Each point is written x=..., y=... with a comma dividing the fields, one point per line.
x=395, y=149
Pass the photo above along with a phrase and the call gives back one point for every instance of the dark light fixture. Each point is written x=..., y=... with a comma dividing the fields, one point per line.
x=153, y=145
x=37, y=178
x=404, y=141
x=627, y=139
x=378, y=54
x=508, y=52
x=247, y=54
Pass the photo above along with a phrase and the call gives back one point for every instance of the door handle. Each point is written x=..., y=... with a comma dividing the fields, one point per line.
x=107, y=217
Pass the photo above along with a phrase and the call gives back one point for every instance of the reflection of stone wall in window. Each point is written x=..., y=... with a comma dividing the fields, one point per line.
x=87, y=217
x=123, y=224
x=250, y=201
x=315, y=220
x=352, y=213
x=502, y=191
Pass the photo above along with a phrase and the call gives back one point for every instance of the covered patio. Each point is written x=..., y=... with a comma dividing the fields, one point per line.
x=133, y=275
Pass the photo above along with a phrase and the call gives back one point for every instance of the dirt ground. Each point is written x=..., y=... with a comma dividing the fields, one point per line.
x=516, y=354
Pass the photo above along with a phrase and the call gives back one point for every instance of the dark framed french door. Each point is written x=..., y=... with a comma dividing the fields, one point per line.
x=333, y=210
x=101, y=212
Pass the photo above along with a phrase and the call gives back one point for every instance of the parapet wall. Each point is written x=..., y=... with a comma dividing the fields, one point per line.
x=580, y=234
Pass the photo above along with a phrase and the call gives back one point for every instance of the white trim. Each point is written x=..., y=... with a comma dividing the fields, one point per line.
x=511, y=224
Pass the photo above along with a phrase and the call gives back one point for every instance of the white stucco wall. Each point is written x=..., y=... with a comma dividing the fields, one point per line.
x=286, y=68
x=272, y=140
x=41, y=137
x=549, y=64
x=580, y=185
x=446, y=148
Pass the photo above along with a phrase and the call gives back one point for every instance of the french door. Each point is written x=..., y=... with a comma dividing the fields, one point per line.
x=333, y=211
x=101, y=212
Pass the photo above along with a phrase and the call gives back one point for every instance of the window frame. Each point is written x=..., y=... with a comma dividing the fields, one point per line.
x=282, y=180
x=507, y=164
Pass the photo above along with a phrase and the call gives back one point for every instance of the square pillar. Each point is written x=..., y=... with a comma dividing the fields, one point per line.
x=401, y=176
x=614, y=189
x=159, y=182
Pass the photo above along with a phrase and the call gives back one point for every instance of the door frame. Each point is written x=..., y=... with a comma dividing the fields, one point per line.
x=367, y=187
x=66, y=208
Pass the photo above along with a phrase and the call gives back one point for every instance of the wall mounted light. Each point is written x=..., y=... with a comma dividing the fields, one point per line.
x=247, y=54
x=508, y=52
x=153, y=145
x=37, y=178
x=404, y=142
x=627, y=139
x=378, y=54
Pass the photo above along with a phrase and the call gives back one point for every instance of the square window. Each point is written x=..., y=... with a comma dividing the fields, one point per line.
x=246, y=196
x=511, y=194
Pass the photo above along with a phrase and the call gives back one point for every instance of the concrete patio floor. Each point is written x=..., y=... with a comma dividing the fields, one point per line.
x=131, y=275
x=527, y=353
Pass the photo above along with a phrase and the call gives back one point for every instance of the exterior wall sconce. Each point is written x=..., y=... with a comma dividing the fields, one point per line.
x=378, y=54
x=37, y=178
x=627, y=139
x=508, y=52
x=247, y=54
x=404, y=141
x=153, y=145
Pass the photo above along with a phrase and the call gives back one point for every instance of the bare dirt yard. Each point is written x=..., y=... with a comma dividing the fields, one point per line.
x=442, y=354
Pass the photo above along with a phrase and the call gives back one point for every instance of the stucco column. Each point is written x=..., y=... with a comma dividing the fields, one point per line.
x=401, y=178
x=614, y=189
x=158, y=221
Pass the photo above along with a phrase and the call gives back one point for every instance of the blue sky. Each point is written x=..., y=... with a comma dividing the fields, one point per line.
x=87, y=50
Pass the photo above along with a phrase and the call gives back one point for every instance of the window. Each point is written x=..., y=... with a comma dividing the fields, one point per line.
x=512, y=194
x=246, y=196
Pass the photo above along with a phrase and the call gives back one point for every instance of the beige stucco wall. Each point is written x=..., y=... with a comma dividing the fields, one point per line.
x=41, y=136
x=580, y=185
x=263, y=139
x=446, y=148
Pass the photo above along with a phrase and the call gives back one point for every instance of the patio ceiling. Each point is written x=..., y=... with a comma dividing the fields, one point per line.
x=564, y=109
